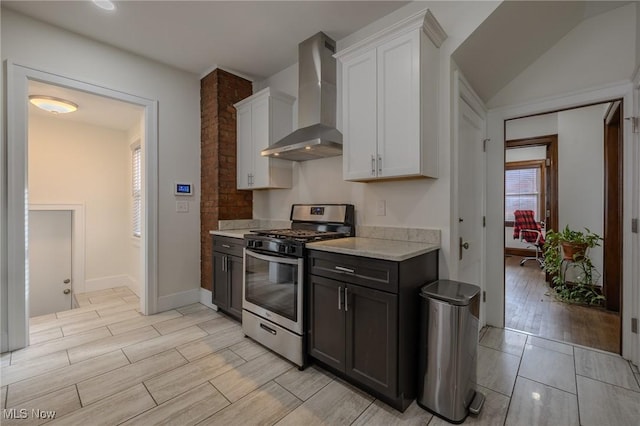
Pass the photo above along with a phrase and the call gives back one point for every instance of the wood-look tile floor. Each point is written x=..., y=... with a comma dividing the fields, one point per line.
x=530, y=307
x=192, y=365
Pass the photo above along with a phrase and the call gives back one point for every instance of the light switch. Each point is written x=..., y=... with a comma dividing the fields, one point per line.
x=182, y=206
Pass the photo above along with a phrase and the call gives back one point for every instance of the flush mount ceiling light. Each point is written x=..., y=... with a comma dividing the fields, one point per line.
x=54, y=105
x=105, y=4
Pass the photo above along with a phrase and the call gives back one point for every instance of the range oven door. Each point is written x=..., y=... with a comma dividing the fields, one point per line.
x=273, y=288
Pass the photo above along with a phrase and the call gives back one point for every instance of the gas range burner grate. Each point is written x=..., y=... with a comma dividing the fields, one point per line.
x=299, y=234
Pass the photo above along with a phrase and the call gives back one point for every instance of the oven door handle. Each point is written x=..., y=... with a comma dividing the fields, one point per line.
x=278, y=259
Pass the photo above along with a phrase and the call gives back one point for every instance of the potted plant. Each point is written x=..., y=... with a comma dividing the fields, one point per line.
x=566, y=260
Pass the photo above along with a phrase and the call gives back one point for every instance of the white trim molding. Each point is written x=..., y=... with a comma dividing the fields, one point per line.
x=18, y=77
x=495, y=213
x=177, y=300
x=206, y=296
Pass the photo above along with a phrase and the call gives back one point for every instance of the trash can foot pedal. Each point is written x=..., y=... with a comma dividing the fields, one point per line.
x=477, y=403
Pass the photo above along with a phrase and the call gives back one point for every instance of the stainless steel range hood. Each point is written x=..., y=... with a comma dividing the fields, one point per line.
x=317, y=136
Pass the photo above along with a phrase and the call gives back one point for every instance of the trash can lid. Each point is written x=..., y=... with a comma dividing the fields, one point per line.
x=453, y=292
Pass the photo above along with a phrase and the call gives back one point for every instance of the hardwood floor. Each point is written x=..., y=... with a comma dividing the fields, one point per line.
x=530, y=307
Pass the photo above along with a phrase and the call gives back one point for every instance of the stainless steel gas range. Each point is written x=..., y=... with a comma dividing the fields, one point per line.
x=273, y=306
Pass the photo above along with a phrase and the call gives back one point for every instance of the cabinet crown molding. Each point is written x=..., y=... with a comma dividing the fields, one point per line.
x=267, y=91
x=423, y=19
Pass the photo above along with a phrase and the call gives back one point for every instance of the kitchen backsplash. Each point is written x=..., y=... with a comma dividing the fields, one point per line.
x=419, y=235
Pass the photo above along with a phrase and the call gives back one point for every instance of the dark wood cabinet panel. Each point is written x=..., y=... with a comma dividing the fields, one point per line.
x=372, y=338
x=364, y=321
x=236, y=272
x=326, y=338
x=227, y=275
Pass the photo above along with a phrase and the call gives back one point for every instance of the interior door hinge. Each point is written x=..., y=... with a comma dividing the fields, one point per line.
x=548, y=162
x=634, y=225
x=484, y=296
x=634, y=123
x=634, y=325
x=484, y=144
x=484, y=221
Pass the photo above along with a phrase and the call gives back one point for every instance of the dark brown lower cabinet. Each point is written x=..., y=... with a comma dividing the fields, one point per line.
x=361, y=332
x=227, y=275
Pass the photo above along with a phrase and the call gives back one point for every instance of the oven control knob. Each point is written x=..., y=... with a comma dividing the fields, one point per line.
x=257, y=244
x=282, y=248
x=291, y=249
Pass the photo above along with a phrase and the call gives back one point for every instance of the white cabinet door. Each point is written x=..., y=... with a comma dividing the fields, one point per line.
x=399, y=148
x=245, y=154
x=360, y=116
x=261, y=139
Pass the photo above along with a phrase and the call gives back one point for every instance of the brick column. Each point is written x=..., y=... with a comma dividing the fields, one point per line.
x=219, y=199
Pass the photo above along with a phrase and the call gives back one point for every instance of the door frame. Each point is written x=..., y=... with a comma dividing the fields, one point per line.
x=495, y=217
x=463, y=92
x=77, y=240
x=18, y=77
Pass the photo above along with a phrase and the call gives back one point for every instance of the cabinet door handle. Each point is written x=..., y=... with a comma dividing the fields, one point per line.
x=224, y=263
x=339, y=298
x=346, y=300
x=373, y=165
x=379, y=164
x=345, y=270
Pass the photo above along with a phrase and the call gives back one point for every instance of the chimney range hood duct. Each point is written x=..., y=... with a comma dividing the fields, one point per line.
x=317, y=136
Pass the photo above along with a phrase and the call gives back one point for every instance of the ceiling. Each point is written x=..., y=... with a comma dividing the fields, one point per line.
x=515, y=35
x=254, y=38
x=92, y=109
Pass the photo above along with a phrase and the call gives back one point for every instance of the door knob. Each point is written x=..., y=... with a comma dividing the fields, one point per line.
x=463, y=245
x=67, y=281
x=66, y=291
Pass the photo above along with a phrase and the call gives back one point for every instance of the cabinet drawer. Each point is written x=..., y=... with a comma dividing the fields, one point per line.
x=373, y=273
x=228, y=245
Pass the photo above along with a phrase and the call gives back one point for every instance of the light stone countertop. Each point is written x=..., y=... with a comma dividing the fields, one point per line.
x=374, y=247
x=233, y=233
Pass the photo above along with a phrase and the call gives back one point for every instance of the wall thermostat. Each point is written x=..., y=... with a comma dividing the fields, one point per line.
x=183, y=188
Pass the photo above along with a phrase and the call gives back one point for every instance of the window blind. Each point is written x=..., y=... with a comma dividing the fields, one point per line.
x=136, y=190
x=522, y=191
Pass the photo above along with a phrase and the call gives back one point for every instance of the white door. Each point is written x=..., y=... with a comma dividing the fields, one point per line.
x=471, y=175
x=49, y=261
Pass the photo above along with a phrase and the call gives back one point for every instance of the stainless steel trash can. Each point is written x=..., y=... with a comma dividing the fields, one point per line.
x=449, y=315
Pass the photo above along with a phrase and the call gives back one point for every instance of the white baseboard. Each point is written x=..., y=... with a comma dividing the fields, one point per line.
x=104, y=283
x=177, y=300
x=205, y=298
x=134, y=286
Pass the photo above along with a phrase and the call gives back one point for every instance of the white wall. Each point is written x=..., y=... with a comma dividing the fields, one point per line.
x=581, y=172
x=41, y=46
x=598, y=51
x=417, y=203
x=75, y=163
x=539, y=125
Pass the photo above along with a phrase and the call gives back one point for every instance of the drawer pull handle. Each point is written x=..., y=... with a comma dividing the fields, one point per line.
x=269, y=329
x=226, y=246
x=346, y=270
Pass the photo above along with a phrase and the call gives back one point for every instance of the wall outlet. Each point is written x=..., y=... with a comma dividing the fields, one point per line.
x=381, y=208
x=182, y=207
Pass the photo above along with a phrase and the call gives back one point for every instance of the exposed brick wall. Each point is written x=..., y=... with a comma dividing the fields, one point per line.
x=219, y=199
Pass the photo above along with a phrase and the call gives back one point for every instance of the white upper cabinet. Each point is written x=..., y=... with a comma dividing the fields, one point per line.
x=390, y=102
x=263, y=119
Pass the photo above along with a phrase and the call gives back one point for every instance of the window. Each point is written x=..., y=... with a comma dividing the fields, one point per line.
x=136, y=189
x=524, y=189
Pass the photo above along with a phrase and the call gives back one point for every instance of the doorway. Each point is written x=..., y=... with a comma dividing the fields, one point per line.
x=18, y=79
x=572, y=190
